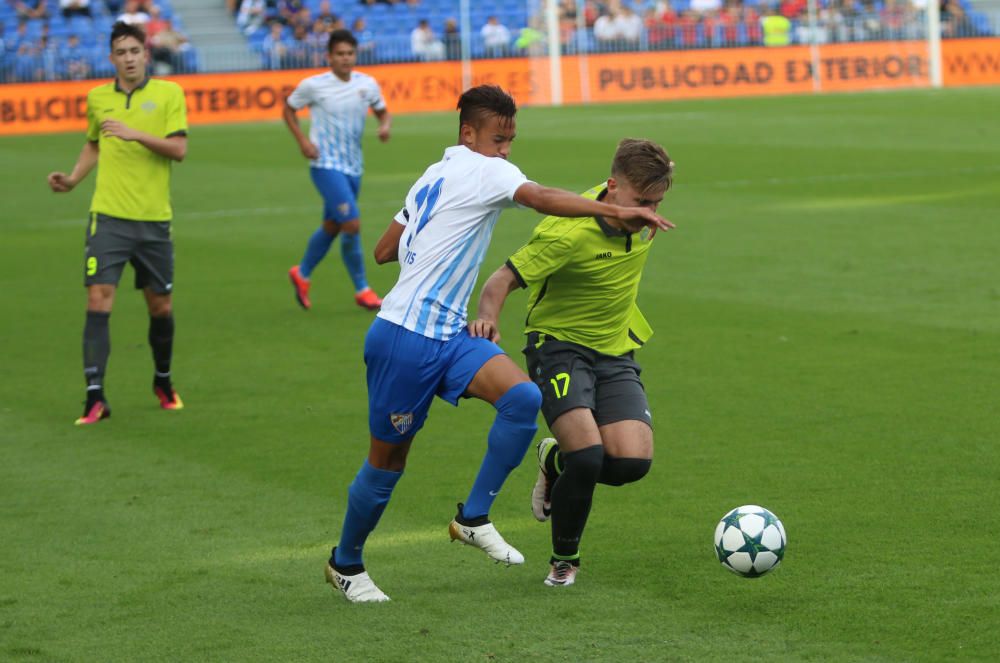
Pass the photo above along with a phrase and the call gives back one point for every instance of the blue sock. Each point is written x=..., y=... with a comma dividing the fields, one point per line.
x=366, y=500
x=509, y=439
x=354, y=260
x=316, y=250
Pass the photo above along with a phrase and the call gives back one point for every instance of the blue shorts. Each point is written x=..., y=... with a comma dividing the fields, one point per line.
x=340, y=194
x=406, y=370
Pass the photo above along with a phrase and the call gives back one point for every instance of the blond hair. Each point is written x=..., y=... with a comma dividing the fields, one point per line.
x=644, y=164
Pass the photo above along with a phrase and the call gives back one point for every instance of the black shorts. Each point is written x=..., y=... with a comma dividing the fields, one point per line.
x=112, y=242
x=572, y=376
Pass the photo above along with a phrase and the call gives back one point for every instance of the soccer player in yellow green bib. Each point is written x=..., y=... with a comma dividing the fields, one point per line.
x=583, y=327
x=136, y=127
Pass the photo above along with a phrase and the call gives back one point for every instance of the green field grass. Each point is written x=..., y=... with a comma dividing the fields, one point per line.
x=828, y=326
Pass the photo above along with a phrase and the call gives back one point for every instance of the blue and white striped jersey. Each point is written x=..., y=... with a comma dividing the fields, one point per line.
x=449, y=217
x=338, y=110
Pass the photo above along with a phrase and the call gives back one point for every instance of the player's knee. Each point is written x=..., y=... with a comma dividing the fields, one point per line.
x=620, y=471
x=520, y=403
x=331, y=228
x=584, y=464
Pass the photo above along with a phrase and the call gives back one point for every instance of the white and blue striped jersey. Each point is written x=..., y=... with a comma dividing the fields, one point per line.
x=338, y=110
x=449, y=217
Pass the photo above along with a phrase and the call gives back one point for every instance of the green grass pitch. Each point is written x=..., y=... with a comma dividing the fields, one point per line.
x=827, y=321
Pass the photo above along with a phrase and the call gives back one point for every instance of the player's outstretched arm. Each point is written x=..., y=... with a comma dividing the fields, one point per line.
x=491, y=300
x=559, y=202
x=62, y=183
x=289, y=114
x=387, y=249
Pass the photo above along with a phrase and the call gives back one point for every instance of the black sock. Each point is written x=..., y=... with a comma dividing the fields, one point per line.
x=554, y=463
x=572, y=495
x=96, y=350
x=161, y=340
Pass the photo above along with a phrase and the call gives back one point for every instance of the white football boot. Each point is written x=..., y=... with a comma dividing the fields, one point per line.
x=562, y=574
x=541, y=493
x=358, y=588
x=484, y=535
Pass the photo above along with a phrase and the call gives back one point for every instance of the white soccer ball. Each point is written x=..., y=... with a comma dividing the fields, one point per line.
x=750, y=541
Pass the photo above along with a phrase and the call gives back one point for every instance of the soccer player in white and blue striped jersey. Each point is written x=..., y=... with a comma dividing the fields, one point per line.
x=419, y=345
x=338, y=102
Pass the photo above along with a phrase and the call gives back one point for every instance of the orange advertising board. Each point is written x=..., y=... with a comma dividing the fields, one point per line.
x=417, y=87
x=971, y=61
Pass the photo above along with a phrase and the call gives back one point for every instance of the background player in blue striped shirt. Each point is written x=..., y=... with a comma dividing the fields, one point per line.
x=338, y=101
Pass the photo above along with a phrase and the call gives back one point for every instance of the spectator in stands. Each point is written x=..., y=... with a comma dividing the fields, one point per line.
x=251, y=15
x=708, y=7
x=660, y=23
x=20, y=36
x=326, y=15
x=155, y=24
x=452, y=40
x=833, y=22
x=303, y=17
x=792, y=9
x=954, y=21
x=496, y=38
x=167, y=49
x=777, y=27
x=75, y=59
x=317, y=41
x=75, y=8
x=425, y=44
x=605, y=33
x=366, y=41
x=274, y=46
x=114, y=6
x=28, y=9
x=133, y=14
x=288, y=9
x=298, y=48
x=895, y=16
x=628, y=25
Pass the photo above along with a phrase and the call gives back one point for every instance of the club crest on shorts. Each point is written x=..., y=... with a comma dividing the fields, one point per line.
x=343, y=208
x=401, y=422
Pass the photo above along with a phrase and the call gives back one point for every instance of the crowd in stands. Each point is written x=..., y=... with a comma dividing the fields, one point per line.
x=288, y=33
x=66, y=39
x=46, y=40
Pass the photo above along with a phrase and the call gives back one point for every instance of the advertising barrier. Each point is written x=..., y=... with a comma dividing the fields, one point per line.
x=620, y=77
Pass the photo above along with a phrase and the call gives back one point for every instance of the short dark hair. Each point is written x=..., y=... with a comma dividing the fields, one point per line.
x=341, y=37
x=478, y=103
x=122, y=29
x=644, y=164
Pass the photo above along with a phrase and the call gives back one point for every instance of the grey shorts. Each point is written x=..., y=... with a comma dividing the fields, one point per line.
x=112, y=242
x=572, y=376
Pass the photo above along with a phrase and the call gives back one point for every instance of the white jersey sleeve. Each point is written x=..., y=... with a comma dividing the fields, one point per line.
x=373, y=95
x=302, y=95
x=500, y=180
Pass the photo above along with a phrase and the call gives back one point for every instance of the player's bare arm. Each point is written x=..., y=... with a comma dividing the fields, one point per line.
x=60, y=182
x=491, y=300
x=384, y=124
x=387, y=249
x=558, y=202
x=171, y=147
x=291, y=117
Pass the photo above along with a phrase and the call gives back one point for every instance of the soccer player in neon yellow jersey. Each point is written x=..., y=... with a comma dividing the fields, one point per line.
x=583, y=327
x=136, y=127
